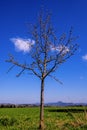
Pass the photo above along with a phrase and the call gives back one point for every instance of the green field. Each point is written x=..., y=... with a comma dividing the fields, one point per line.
x=56, y=118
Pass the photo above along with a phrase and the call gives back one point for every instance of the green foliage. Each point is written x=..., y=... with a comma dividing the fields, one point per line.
x=7, y=121
x=56, y=118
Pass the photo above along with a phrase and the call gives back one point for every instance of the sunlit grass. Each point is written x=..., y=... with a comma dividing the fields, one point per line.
x=56, y=118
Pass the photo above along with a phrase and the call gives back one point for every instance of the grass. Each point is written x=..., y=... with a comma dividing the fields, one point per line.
x=56, y=118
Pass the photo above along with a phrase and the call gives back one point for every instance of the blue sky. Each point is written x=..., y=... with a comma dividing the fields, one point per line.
x=14, y=16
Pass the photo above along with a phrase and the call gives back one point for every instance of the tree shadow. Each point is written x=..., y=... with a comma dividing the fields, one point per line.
x=74, y=110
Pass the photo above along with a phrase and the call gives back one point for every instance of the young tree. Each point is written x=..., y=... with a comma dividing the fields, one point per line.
x=47, y=54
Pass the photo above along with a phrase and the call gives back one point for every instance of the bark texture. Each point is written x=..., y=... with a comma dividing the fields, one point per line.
x=41, y=126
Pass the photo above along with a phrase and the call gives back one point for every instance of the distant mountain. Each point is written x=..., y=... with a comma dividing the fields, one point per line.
x=65, y=104
x=8, y=105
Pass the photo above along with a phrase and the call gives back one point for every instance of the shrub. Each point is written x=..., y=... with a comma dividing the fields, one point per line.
x=6, y=121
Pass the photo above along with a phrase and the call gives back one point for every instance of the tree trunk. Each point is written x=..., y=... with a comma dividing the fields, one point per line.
x=41, y=126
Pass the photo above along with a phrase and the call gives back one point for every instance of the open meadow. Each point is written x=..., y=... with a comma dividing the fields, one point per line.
x=56, y=118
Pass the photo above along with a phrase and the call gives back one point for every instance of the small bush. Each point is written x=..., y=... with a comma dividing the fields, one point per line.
x=6, y=121
x=13, y=121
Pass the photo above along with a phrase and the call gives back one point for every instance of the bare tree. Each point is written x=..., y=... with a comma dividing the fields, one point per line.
x=47, y=54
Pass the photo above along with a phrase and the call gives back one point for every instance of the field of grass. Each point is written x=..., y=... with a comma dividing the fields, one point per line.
x=56, y=118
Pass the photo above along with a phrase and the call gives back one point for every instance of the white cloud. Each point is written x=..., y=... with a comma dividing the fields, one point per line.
x=60, y=48
x=84, y=57
x=23, y=44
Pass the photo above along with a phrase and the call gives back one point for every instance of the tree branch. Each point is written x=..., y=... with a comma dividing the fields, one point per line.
x=23, y=66
x=56, y=79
